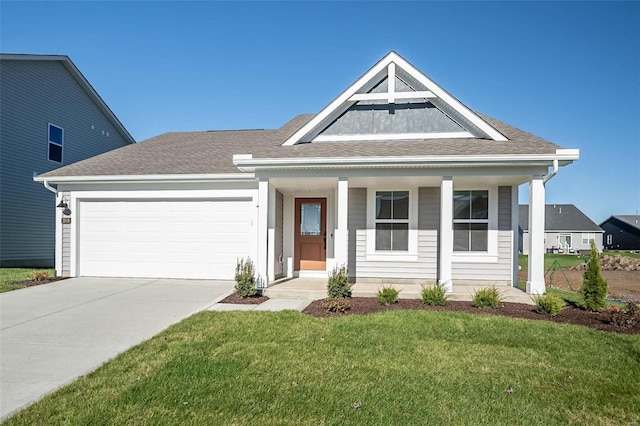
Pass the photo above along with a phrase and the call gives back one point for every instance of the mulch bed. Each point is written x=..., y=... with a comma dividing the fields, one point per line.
x=252, y=300
x=31, y=283
x=570, y=314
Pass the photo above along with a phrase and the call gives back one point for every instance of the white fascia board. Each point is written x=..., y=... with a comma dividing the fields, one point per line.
x=447, y=98
x=431, y=161
x=227, y=177
x=337, y=102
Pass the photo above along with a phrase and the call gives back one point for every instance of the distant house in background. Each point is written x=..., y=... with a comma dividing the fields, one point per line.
x=51, y=117
x=621, y=232
x=567, y=229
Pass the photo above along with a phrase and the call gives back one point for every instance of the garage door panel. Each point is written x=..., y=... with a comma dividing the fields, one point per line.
x=172, y=239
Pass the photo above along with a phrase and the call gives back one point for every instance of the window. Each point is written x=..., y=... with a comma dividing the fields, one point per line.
x=609, y=239
x=392, y=220
x=470, y=220
x=588, y=237
x=56, y=142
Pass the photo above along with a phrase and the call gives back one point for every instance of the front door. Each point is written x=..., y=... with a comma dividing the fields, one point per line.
x=311, y=234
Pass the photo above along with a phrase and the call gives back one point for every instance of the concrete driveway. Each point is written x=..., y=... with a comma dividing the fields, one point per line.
x=54, y=333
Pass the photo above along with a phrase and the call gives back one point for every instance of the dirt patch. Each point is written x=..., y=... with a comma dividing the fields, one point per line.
x=252, y=300
x=570, y=314
x=623, y=285
x=31, y=283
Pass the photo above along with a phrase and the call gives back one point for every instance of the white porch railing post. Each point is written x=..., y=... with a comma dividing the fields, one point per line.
x=535, y=279
x=340, y=249
x=446, y=233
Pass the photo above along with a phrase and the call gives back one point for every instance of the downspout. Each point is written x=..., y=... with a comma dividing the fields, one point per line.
x=49, y=187
x=548, y=177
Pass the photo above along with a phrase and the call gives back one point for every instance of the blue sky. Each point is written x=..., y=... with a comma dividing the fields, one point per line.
x=566, y=71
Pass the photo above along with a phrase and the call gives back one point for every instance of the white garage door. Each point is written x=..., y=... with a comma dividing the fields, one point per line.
x=163, y=239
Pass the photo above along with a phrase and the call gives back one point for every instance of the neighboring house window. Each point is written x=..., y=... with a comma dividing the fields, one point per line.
x=470, y=220
x=56, y=142
x=609, y=239
x=588, y=237
x=392, y=220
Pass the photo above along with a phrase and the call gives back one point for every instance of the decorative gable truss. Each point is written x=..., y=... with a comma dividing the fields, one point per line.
x=391, y=101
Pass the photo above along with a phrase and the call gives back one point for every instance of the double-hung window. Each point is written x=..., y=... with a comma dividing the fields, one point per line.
x=470, y=221
x=56, y=143
x=588, y=237
x=392, y=220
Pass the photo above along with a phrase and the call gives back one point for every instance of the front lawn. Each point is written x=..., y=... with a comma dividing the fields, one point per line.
x=9, y=276
x=564, y=260
x=397, y=367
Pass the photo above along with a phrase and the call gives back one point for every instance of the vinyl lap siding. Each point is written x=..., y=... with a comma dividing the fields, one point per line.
x=500, y=271
x=35, y=93
x=278, y=267
x=356, y=222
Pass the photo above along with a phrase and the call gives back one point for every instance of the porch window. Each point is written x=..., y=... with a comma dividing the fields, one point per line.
x=392, y=220
x=470, y=220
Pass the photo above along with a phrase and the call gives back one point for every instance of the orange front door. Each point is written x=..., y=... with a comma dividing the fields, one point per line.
x=311, y=234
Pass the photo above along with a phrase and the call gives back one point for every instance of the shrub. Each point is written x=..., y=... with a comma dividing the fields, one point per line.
x=387, y=296
x=625, y=317
x=338, y=283
x=245, y=279
x=434, y=295
x=488, y=297
x=549, y=304
x=337, y=304
x=39, y=275
x=594, y=287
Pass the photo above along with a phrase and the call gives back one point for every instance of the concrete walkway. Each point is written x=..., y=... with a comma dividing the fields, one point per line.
x=54, y=333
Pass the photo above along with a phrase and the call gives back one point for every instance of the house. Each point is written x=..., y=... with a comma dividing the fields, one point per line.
x=395, y=178
x=51, y=117
x=621, y=232
x=567, y=229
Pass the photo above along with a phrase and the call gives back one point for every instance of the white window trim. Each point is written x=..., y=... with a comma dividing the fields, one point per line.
x=491, y=255
x=49, y=141
x=593, y=234
x=373, y=255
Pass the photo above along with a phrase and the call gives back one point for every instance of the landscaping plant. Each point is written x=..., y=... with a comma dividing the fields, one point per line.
x=387, y=296
x=39, y=275
x=594, y=287
x=245, y=279
x=338, y=304
x=434, y=295
x=488, y=297
x=549, y=304
x=338, y=283
x=625, y=317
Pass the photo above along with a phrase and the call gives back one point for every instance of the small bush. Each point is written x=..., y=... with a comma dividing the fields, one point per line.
x=594, y=287
x=337, y=304
x=488, y=297
x=39, y=275
x=387, y=296
x=338, y=283
x=625, y=317
x=434, y=295
x=549, y=304
x=245, y=279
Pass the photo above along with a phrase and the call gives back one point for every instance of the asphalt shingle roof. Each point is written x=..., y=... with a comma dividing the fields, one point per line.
x=560, y=217
x=208, y=152
x=629, y=219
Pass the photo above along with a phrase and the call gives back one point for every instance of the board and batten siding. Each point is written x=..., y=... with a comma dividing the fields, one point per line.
x=34, y=94
x=495, y=272
x=426, y=267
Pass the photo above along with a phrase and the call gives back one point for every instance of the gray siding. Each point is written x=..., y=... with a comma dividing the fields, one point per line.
x=66, y=246
x=278, y=267
x=356, y=222
x=551, y=241
x=504, y=208
x=35, y=93
x=425, y=268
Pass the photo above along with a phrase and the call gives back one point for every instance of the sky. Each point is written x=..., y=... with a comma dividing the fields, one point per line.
x=568, y=72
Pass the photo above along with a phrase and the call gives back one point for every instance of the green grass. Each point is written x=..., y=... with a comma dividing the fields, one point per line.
x=621, y=253
x=569, y=260
x=9, y=276
x=403, y=367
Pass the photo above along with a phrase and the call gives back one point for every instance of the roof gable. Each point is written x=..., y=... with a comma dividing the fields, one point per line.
x=559, y=218
x=393, y=100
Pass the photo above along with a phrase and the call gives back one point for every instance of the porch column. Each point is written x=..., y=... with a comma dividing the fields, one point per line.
x=271, y=234
x=340, y=248
x=535, y=279
x=263, y=233
x=446, y=233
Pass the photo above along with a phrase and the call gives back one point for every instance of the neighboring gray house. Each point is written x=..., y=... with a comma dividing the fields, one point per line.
x=621, y=232
x=51, y=117
x=567, y=229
